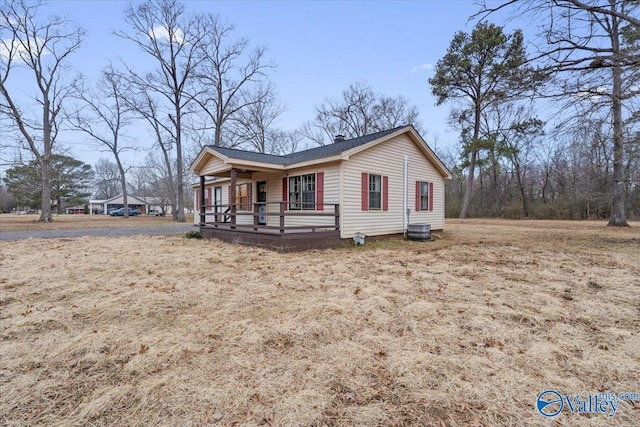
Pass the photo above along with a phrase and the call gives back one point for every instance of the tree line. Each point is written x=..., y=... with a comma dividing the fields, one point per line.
x=586, y=68
x=210, y=86
x=207, y=86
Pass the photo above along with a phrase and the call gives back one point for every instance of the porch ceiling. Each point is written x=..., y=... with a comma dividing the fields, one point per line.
x=242, y=171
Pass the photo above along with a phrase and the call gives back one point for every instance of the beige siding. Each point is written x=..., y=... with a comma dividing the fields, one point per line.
x=212, y=164
x=274, y=194
x=331, y=194
x=387, y=158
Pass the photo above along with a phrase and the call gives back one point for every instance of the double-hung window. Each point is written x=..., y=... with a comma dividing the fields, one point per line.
x=424, y=196
x=302, y=192
x=242, y=197
x=375, y=192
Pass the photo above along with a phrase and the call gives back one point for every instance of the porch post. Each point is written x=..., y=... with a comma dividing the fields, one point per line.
x=282, y=218
x=232, y=196
x=201, y=208
x=255, y=213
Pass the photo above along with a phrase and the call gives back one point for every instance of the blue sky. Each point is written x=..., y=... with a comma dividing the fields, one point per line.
x=319, y=48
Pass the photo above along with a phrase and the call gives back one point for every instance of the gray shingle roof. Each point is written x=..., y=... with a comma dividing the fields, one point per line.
x=305, y=155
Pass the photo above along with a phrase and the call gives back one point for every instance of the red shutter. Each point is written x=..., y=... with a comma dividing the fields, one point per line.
x=209, y=196
x=320, y=191
x=249, y=197
x=431, y=196
x=285, y=192
x=364, y=188
x=229, y=195
x=385, y=193
x=417, y=196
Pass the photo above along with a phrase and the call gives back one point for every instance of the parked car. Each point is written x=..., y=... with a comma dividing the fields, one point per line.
x=156, y=212
x=120, y=212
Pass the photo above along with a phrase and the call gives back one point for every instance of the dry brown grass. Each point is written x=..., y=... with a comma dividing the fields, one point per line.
x=13, y=222
x=463, y=331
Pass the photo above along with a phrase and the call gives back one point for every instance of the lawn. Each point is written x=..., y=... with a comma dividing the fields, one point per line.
x=13, y=222
x=465, y=330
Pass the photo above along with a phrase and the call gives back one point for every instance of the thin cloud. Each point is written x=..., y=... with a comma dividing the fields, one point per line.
x=427, y=66
x=161, y=33
x=17, y=51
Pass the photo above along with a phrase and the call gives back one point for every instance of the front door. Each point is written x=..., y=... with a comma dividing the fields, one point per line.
x=262, y=200
x=217, y=201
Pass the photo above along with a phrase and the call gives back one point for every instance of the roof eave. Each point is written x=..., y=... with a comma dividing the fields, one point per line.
x=196, y=165
x=321, y=160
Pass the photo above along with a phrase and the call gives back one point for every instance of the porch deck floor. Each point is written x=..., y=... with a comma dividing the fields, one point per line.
x=292, y=240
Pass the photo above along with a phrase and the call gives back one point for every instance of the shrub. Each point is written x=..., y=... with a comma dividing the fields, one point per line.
x=194, y=234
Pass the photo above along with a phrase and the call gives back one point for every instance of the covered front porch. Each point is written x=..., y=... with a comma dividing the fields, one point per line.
x=259, y=212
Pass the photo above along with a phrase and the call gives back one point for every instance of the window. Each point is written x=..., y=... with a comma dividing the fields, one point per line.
x=375, y=191
x=302, y=192
x=242, y=197
x=424, y=196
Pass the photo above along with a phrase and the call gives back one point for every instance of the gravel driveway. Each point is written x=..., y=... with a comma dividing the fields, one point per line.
x=145, y=230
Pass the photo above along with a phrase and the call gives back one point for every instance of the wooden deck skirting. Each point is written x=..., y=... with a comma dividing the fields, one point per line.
x=283, y=237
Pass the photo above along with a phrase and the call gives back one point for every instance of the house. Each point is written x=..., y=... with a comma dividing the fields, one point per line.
x=117, y=202
x=373, y=185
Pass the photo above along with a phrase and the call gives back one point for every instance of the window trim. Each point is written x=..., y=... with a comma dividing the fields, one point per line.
x=299, y=204
x=379, y=192
x=239, y=205
x=424, y=196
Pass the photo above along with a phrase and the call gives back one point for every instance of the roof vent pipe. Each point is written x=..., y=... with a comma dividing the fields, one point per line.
x=338, y=138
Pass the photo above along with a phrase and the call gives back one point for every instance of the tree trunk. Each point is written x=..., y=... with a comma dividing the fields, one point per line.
x=617, y=203
x=171, y=183
x=464, y=211
x=497, y=207
x=523, y=193
x=180, y=202
x=45, y=163
x=45, y=214
x=123, y=183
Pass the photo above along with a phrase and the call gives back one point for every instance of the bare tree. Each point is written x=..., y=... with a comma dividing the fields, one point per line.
x=590, y=45
x=229, y=72
x=43, y=48
x=107, y=179
x=253, y=125
x=146, y=106
x=283, y=142
x=162, y=30
x=102, y=117
x=516, y=131
x=158, y=184
x=393, y=112
x=360, y=111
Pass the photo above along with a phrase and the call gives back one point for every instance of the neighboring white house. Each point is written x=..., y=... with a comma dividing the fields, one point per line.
x=379, y=182
x=117, y=202
x=148, y=205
